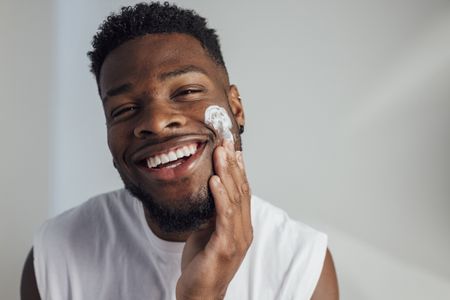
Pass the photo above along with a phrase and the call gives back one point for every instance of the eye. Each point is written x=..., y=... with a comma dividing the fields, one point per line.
x=123, y=111
x=188, y=93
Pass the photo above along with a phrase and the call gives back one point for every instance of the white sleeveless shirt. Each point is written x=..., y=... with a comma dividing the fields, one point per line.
x=104, y=249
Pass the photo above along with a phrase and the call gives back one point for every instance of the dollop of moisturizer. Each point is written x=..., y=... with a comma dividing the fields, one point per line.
x=218, y=118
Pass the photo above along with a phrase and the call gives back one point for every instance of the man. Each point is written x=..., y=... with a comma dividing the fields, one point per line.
x=186, y=226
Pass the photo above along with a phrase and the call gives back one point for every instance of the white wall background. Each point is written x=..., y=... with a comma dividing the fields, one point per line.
x=348, y=126
x=26, y=62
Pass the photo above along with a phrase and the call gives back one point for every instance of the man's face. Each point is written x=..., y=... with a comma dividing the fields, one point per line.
x=155, y=90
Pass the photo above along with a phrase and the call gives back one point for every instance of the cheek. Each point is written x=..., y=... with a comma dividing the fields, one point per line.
x=116, y=141
x=218, y=118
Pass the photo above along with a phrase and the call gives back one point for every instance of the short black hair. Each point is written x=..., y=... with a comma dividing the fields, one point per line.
x=147, y=18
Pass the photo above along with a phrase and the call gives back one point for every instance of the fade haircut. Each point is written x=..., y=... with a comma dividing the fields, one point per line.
x=151, y=18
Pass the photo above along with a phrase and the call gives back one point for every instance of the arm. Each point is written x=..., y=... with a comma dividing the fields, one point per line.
x=28, y=286
x=327, y=287
x=212, y=255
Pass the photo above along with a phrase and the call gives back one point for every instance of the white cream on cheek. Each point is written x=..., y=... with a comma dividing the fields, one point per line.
x=218, y=118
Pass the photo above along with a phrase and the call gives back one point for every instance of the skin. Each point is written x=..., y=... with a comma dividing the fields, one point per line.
x=170, y=90
x=155, y=99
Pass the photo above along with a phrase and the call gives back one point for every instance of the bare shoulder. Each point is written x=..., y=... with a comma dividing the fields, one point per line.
x=327, y=286
x=28, y=286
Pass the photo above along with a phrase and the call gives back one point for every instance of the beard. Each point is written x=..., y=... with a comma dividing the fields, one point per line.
x=187, y=215
x=184, y=215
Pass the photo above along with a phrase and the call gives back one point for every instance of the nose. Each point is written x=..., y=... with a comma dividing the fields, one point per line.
x=158, y=118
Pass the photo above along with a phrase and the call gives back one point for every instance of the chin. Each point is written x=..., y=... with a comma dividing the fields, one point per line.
x=176, y=214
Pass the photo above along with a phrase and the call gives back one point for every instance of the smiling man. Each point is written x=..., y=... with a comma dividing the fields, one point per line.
x=186, y=225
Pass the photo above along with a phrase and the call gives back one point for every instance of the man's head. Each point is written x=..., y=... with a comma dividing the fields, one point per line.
x=158, y=69
x=152, y=18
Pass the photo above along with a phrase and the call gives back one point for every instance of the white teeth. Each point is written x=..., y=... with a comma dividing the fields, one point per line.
x=179, y=153
x=152, y=162
x=186, y=151
x=193, y=148
x=174, y=165
x=164, y=158
x=173, y=155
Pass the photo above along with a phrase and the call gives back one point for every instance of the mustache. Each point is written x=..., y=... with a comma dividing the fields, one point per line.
x=160, y=139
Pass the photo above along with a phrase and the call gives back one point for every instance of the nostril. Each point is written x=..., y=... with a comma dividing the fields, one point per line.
x=142, y=133
x=154, y=123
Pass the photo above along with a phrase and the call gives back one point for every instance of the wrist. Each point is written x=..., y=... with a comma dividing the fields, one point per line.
x=221, y=297
x=210, y=296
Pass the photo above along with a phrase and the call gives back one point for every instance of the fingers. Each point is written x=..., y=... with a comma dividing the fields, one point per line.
x=231, y=194
x=244, y=185
x=229, y=166
x=228, y=170
x=225, y=211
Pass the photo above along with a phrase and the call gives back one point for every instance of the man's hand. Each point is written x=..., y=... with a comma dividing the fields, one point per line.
x=212, y=255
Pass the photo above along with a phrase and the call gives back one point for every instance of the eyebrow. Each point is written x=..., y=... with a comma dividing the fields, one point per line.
x=121, y=89
x=181, y=71
x=126, y=87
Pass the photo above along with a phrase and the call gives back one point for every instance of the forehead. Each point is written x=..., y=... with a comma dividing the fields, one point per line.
x=148, y=56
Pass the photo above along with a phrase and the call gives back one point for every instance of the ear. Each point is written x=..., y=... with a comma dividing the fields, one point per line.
x=236, y=105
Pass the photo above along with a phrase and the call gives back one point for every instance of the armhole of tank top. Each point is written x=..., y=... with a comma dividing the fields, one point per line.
x=39, y=260
x=318, y=252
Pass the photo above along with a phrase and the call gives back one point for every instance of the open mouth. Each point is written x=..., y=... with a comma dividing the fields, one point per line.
x=174, y=159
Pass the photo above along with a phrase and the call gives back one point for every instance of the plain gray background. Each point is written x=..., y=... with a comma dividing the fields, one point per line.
x=348, y=127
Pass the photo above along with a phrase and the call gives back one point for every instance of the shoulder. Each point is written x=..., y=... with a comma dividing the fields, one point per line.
x=292, y=250
x=87, y=215
x=85, y=225
x=269, y=219
x=66, y=242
